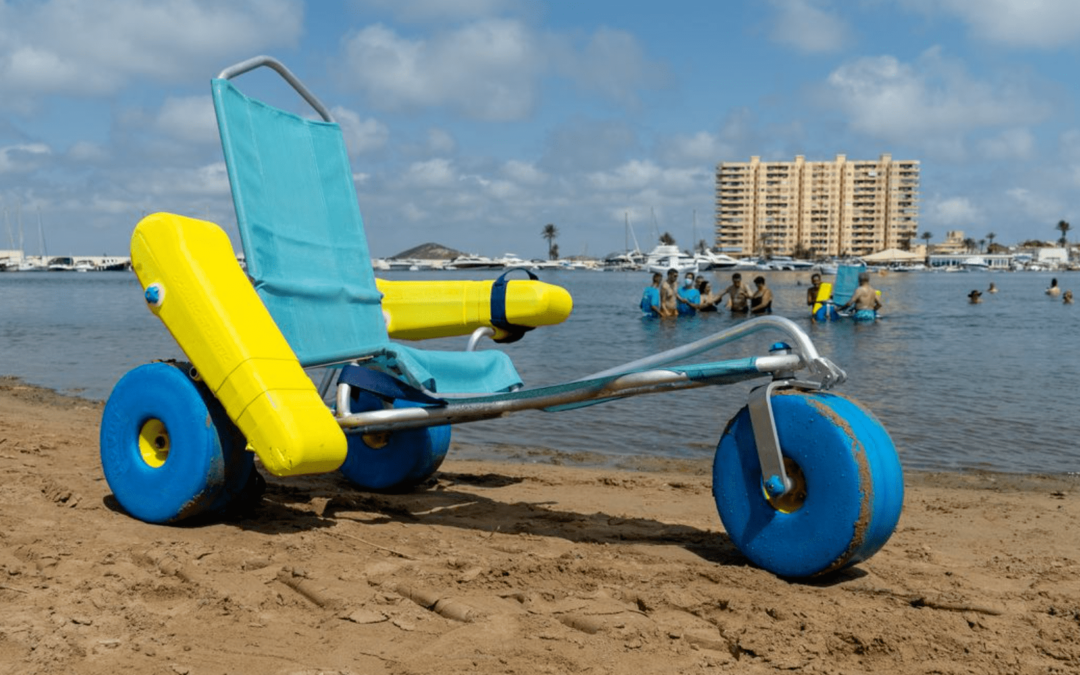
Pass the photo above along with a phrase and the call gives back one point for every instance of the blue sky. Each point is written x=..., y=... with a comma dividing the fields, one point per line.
x=474, y=123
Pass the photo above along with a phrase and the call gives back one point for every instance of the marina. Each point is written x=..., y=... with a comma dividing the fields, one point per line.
x=959, y=386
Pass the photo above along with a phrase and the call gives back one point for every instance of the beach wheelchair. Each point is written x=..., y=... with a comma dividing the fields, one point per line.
x=806, y=482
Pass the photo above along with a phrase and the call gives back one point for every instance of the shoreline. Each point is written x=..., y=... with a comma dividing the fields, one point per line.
x=503, y=567
x=9, y=384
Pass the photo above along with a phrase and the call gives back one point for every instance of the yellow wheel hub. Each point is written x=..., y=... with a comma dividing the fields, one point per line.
x=154, y=443
x=794, y=498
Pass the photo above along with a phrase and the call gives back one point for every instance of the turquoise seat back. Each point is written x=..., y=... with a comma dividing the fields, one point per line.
x=301, y=228
x=847, y=280
x=307, y=254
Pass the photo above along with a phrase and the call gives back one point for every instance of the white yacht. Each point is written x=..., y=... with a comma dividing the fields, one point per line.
x=473, y=262
x=715, y=261
x=668, y=256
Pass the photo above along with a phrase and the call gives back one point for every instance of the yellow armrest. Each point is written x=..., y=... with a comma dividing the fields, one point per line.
x=196, y=287
x=418, y=310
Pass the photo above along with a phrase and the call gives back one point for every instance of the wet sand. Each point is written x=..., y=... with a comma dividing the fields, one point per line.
x=525, y=567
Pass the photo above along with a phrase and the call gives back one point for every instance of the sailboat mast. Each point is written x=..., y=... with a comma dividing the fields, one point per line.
x=41, y=238
x=694, y=241
x=18, y=220
x=7, y=225
x=637, y=247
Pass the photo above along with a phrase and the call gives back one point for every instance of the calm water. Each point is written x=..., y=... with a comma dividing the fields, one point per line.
x=958, y=386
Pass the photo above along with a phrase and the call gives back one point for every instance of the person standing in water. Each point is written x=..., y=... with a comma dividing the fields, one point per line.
x=737, y=294
x=669, y=305
x=761, y=301
x=865, y=300
x=650, y=299
x=1053, y=290
x=688, y=296
x=815, y=288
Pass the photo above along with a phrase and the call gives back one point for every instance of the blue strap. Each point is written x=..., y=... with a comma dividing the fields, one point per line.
x=498, y=308
x=384, y=386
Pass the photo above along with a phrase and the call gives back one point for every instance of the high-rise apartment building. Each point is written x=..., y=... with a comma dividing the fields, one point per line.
x=839, y=208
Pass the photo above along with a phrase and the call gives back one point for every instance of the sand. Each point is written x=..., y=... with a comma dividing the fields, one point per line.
x=510, y=568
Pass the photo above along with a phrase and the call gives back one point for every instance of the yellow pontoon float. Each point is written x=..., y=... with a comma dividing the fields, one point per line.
x=805, y=481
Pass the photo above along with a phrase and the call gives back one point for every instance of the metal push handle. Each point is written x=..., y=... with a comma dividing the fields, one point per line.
x=270, y=62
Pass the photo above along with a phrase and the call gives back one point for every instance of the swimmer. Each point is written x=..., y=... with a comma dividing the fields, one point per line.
x=864, y=299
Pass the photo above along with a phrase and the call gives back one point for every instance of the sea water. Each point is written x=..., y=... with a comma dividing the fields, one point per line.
x=958, y=386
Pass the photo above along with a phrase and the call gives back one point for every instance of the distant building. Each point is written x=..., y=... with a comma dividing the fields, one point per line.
x=953, y=244
x=842, y=207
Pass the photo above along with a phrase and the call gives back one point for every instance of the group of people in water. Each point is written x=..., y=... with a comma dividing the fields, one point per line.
x=668, y=298
x=975, y=297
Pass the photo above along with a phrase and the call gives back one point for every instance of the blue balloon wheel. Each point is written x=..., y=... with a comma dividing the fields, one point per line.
x=393, y=462
x=168, y=449
x=848, y=486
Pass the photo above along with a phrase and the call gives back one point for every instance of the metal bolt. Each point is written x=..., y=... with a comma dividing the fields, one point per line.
x=774, y=485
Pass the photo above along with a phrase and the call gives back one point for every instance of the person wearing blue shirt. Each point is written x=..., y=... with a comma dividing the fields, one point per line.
x=650, y=299
x=689, y=297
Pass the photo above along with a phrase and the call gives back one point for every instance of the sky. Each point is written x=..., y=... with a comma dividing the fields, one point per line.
x=475, y=123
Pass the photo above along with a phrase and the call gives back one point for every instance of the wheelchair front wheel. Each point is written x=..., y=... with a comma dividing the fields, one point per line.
x=848, y=486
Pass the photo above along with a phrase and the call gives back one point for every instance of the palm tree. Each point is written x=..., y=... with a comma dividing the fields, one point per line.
x=667, y=240
x=550, y=232
x=1064, y=228
x=991, y=237
x=970, y=244
x=982, y=245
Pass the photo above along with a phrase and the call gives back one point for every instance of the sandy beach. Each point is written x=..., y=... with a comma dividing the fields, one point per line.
x=510, y=568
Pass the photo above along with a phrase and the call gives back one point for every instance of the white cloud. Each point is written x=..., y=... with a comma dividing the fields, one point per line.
x=85, y=151
x=487, y=69
x=361, y=136
x=491, y=69
x=433, y=173
x=1040, y=24
x=1038, y=207
x=641, y=175
x=414, y=213
x=189, y=118
x=23, y=157
x=208, y=180
x=524, y=173
x=1010, y=144
x=95, y=48
x=953, y=212
x=441, y=142
x=1069, y=149
x=700, y=148
x=808, y=28
x=932, y=102
x=440, y=10
x=612, y=64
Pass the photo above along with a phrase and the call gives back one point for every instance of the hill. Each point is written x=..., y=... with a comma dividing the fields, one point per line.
x=428, y=251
